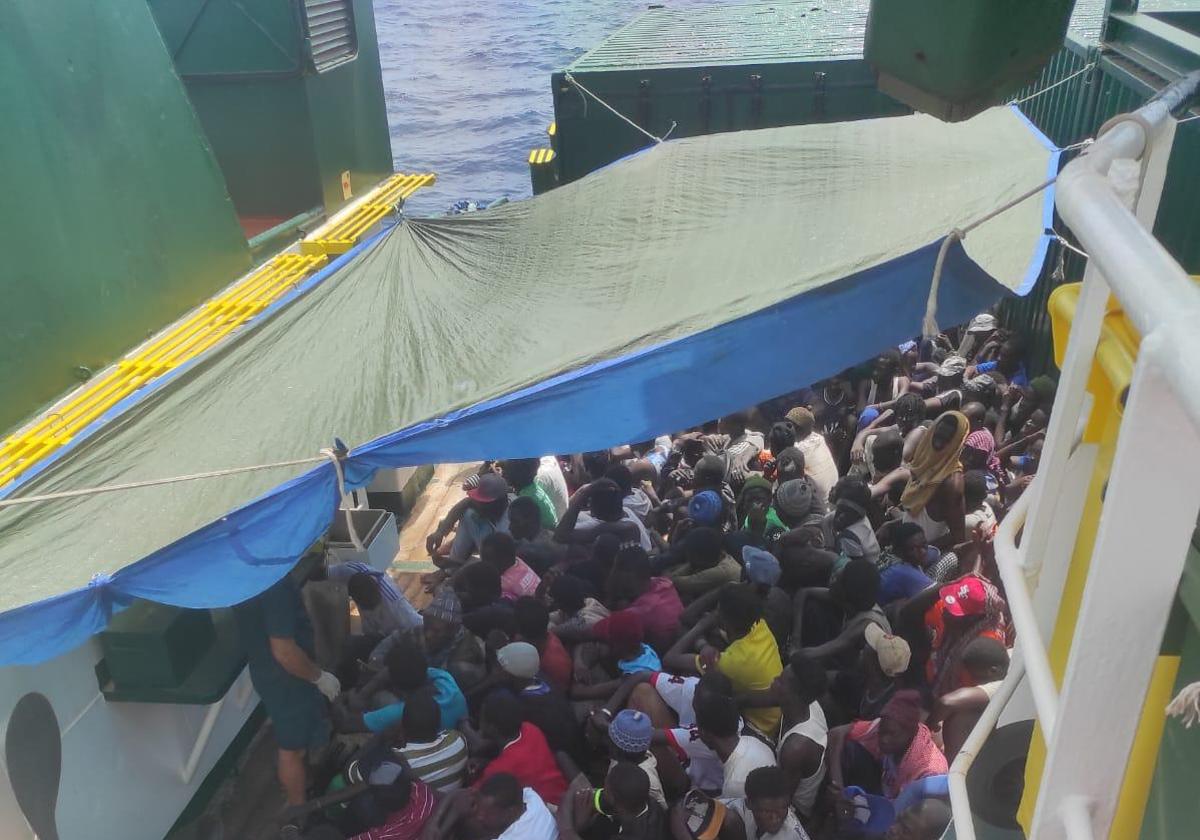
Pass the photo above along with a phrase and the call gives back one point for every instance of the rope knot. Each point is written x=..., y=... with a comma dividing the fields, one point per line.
x=100, y=579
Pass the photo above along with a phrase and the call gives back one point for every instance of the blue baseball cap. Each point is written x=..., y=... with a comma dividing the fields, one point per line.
x=870, y=814
x=705, y=508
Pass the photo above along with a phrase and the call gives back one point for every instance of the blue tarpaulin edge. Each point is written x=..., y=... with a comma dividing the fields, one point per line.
x=635, y=396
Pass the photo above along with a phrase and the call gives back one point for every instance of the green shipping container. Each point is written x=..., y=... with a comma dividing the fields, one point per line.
x=722, y=68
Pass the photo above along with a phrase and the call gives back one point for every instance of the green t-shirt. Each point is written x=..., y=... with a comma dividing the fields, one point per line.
x=545, y=506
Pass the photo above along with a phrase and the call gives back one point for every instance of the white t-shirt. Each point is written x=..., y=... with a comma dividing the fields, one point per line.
x=748, y=755
x=551, y=479
x=586, y=520
x=679, y=693
x=819, y=464
x=537, y=823
x=790, y=830
x=703, y=766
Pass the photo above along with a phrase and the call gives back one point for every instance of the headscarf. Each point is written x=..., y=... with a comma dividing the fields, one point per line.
x=921, y=759
x=983, y=441
x=930, y=467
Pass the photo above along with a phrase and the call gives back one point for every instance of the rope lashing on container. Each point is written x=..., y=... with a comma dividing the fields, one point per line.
x=336, y=456
x=1061, y=81
x=572, y=80
x=929, y=326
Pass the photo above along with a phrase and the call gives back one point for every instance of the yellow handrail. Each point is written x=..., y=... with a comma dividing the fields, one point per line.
x=202, y=329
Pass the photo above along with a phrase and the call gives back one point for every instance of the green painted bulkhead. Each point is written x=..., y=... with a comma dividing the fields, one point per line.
x=115, y=217
x=714, y=69
x=145, y=142
x=289, y=93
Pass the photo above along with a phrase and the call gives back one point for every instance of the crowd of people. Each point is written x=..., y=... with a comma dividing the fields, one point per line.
x=780, y=624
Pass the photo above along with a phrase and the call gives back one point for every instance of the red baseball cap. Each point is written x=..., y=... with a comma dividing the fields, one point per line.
x=964, y=597
x=490, y=488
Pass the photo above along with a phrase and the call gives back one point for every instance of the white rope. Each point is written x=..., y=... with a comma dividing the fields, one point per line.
x=153, y=482
x=336, y=458
x=929, y=326
x=1062, y=81
x=1189, y=119
x=604, y=104
x=1186, y=706
x=1063, y=242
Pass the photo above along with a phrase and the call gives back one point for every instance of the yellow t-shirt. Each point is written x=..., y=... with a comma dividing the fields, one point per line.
x=752, y=663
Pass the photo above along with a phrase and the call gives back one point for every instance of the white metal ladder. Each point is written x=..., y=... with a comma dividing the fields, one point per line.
x=1108, y=197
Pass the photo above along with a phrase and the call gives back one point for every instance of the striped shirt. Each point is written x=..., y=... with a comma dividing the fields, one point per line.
x=409, y=821
x=393, y=613
x=440, y=763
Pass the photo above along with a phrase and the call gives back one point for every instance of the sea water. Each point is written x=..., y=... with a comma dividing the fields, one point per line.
x=467, y=84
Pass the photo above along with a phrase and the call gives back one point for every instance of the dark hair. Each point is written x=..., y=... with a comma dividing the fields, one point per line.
x=716, y=715
x=859, y=584
x=767, y=783
x=595, y=463
x=702, y=547
x=716, y=682
x=606, y=500
x=903, y=532
x=740, y=606
x=620, y=474
x=502, y=711
x=802, y=566
x=364, y=589
x=809, y=676
x=781, y=436
x=891, y=358
x=482, y=580
x=709, y=472
x=406, y=666
x=909, y=405
x=633, y=562
x=853, y=490
x=393, y=797
x=736, y=422
x=568, y=592
x=503, y=789
x=527, y=506
x=974, y=488
x=520, y=472
x=498, y=549
x=983, y=653
x=422, y=717
x=532, y=618
x=628, y=785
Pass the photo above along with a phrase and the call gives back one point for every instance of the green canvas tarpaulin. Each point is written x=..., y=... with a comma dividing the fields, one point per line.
x=684, y=282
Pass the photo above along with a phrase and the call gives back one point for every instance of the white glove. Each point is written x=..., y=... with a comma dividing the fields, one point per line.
x=328, y=685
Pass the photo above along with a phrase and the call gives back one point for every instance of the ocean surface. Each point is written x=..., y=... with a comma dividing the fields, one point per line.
x=467, y=84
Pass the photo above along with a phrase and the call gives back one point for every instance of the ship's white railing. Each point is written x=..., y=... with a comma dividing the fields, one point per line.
x=1109, y=198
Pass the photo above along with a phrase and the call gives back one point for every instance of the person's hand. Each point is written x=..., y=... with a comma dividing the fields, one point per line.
x=708, y=657
x=858, y=453
x=600, y=719
x=434, y=541
x=496, y=639
x=1009, y=397
x=329, y=685
x=582, y=495
x=756, y=513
